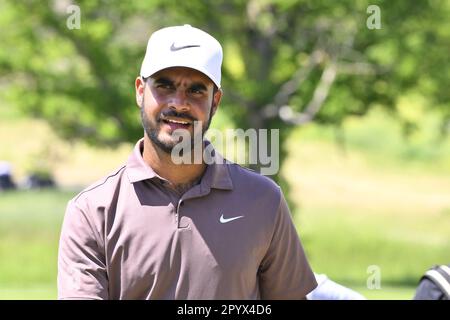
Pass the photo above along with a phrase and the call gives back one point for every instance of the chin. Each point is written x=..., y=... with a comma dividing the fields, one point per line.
x=167, y=139
x=166, y=143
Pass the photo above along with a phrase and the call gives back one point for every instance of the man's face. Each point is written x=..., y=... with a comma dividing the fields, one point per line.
x=173, y=99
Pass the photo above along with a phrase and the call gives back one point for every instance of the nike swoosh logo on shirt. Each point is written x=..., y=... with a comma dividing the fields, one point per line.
x=174, y=48
x=223, y=220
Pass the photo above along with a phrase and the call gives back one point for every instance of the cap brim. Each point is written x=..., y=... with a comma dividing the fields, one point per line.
x=150, y=72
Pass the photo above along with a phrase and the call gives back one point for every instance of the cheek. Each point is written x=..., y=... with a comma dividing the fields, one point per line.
x=151, y=106
x=205, y=108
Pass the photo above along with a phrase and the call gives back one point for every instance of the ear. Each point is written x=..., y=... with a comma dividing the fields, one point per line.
x=216, y=101
x=140, y=88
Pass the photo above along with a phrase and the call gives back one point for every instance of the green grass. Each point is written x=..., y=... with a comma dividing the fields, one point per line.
x=340, y=241
x=355, y=210
x=30, y=223
x=344, y=248
x=46, y=291
x=387, y=292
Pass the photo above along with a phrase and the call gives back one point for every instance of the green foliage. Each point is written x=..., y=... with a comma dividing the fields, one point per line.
x=81, y=80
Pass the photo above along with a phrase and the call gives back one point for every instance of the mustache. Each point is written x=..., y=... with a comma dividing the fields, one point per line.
x=175, y=114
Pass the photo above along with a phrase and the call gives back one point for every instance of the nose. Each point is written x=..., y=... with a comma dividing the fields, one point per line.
x=179, y=102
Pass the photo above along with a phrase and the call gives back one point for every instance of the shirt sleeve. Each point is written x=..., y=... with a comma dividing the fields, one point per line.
x=285, y=272
x=81, y=261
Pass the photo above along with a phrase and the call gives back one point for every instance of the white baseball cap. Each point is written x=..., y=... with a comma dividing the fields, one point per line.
x=183, y=46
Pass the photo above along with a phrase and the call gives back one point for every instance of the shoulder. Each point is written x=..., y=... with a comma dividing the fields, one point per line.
x=243, y=175
x=255, y=185
x=101, y=190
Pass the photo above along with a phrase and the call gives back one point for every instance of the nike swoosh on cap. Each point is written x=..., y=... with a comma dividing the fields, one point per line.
x=174, y=48
x=224, y=220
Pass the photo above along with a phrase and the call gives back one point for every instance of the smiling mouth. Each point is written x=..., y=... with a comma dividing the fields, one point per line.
x=176, y=121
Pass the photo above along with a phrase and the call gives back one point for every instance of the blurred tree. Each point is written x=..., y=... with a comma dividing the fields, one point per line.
x=287, y=62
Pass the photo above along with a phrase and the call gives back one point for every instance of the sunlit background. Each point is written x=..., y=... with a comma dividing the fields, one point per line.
x=359, y=91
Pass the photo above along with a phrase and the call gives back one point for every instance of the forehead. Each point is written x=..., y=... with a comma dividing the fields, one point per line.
x=183, y=74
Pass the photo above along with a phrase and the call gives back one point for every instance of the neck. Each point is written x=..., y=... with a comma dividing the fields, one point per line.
x=178, y=175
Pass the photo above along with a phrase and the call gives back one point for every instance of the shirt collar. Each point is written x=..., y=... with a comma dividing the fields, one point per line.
x=216, y=175
x=137, y=169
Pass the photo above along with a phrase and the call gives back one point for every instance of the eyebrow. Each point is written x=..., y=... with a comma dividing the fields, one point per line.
x=167, y=81
x=198, y=86
x=164, y=81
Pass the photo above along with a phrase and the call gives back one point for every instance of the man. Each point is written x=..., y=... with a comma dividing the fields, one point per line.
x=155, y=229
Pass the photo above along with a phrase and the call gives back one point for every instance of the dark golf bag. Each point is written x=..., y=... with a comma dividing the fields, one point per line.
x=434, y=284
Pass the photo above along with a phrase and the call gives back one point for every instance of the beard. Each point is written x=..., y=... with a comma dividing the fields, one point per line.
x=152, y=128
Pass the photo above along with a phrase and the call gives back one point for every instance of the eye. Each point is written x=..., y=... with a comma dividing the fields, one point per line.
x=196, y=90
x=165, y=86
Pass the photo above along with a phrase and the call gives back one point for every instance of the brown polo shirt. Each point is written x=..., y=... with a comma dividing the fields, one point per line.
x=229, y=237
